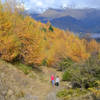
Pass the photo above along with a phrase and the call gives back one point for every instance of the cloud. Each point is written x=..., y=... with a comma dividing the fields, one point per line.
x=44, y=4
x=39, y=4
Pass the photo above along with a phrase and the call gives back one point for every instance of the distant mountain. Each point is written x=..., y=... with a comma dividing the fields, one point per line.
x=67, y=22
x=76, y=20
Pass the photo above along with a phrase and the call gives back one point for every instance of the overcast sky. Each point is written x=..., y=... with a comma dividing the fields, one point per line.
x=44, y=4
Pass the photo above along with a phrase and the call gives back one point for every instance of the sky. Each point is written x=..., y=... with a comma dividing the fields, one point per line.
x=39, y=5
x=45, y=4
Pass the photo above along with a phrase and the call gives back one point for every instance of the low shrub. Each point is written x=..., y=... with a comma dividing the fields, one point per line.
x=85, y=74
x=67, y=76
x=44, y=62
x=96, y=93
x=71, y=93
x=65, y=63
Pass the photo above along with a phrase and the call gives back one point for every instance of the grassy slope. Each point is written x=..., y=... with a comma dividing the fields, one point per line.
x=36, y=82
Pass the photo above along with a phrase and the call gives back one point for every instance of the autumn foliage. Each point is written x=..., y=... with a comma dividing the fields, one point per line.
x=30, y=42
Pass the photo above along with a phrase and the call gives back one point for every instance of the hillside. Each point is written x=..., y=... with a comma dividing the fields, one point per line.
x=25, y=40
x=15, y=85
x=82, y=20
x=31, y=51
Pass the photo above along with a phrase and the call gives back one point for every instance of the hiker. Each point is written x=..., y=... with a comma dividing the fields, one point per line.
x=57, y=81
x=52, y=80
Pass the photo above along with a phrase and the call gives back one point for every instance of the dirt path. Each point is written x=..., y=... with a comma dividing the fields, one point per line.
x=35, y=86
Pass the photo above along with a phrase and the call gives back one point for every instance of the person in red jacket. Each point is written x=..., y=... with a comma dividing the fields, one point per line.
x=52, y=80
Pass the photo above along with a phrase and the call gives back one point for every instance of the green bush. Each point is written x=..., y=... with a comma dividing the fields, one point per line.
x=65, y=63
x=71, y=93
x=67, y=76
x=51, y=28
x=84, y=74
x=44, y=62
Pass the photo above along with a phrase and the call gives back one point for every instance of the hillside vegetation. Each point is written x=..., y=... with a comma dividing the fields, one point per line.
x=30, y=42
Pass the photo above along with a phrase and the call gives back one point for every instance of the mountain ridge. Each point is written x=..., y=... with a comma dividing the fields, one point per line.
x=87, y=19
